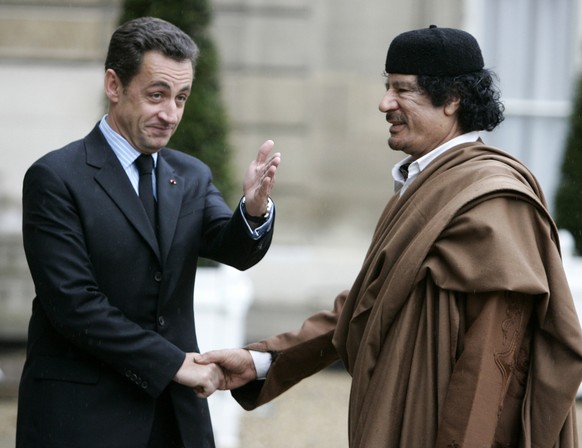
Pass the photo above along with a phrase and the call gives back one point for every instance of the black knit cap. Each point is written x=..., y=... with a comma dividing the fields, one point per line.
x=435, y=52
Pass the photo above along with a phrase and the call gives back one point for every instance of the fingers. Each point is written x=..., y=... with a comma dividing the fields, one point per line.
x=267, y=184
x=259, y=178
x=272, y=164
x=211, y=380
x=213, y=356
x=200, y=392
x=230, y=359
x=268, y=164
x=266, y=180
x=264, y=151
x=203, y=379
x=236, y=367
x=268, y=170
x=200, y=359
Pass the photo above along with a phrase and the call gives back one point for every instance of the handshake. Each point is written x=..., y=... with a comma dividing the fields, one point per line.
x=216, y=370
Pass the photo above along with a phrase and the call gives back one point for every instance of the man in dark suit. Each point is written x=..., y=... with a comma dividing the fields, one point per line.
x=113, y=226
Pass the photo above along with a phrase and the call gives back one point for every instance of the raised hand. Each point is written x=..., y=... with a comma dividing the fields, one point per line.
x=204, y=379
x=237, y=366
x=260, y=179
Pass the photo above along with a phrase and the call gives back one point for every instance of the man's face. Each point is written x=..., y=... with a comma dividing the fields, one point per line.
x=148, y=110
x=417, y=127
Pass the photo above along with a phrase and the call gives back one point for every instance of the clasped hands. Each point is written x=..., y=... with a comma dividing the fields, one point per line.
x=216, y=370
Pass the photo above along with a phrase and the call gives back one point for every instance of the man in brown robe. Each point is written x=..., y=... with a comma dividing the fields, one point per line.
x=460, y=329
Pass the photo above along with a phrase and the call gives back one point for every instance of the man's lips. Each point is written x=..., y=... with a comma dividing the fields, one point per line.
x=396, y=126
x=397, y=123
x=161, y=129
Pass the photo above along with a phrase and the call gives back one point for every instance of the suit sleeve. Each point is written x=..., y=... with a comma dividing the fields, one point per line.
x=68, y=293
x=226, y=238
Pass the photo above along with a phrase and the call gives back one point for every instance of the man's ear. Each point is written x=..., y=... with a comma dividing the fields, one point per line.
x=112, y=84
x=452, y=106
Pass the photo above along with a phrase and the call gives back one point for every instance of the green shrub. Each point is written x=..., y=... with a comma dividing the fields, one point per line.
x=203, y=131
x=568, y=203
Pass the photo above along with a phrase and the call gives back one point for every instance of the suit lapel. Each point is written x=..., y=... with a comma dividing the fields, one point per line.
x=170, y=189
x=113, y=179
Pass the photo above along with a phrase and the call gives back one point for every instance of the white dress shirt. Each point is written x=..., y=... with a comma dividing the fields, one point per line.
x=416, y=166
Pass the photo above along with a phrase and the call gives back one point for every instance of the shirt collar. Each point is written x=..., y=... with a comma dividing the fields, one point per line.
x=418, y=165
x=120, y=146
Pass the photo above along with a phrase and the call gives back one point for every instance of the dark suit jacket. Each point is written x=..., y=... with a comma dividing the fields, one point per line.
x=113, y=313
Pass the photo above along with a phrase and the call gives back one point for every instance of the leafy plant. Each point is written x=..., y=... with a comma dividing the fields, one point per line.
x=568, y=203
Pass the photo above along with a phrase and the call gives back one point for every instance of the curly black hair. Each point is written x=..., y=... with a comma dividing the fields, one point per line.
x=480, y=108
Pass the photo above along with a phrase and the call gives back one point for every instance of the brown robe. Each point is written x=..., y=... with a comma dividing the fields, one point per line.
x=460, y=330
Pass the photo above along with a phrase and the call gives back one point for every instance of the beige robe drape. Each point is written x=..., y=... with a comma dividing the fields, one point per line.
x=460, y=330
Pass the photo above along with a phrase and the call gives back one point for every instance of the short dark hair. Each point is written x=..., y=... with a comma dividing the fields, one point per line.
x=134, y=38
x=480, y=108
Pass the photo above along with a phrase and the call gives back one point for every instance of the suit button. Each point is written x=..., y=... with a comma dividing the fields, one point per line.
x=161, y=321
x=144, y=385
x=158, y=276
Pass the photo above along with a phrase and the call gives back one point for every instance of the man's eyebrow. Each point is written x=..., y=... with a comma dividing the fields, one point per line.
x=398, y=83
x=162, y=84
x=165, y=85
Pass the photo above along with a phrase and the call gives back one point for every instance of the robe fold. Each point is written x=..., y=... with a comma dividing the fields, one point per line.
x=460, y=329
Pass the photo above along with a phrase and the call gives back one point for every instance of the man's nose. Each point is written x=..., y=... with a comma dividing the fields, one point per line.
x=388, y=102
x=171, y=113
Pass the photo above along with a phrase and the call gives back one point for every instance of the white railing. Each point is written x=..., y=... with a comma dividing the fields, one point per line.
x=573, y=268
x=223, y=296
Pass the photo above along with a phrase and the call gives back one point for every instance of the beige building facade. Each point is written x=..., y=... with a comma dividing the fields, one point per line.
x=306, y=73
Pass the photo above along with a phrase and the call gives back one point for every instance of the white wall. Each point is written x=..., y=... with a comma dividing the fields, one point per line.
x=45, y=106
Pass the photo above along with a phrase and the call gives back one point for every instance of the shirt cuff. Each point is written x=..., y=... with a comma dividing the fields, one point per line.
x=262, y=361
x=258, y=233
